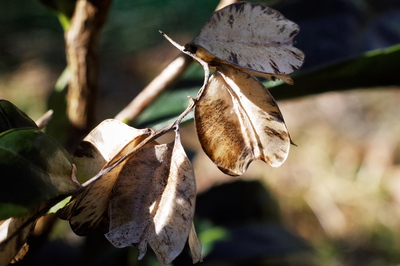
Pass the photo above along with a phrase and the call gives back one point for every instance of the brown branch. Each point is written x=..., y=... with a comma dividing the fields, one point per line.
x=154, y=89
x=81, y=49
x=160, y=83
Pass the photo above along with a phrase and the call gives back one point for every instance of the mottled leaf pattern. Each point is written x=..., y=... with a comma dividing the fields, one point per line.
x=250, y=36
x=238, y=121
x=153, y=201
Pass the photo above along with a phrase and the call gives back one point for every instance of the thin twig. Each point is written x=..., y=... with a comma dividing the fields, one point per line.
x=154, y=89
x=198, y=59
x=44, y=119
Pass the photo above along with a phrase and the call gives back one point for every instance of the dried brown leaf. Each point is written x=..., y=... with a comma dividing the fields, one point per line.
x=195, y=246
x=238, y=121
x=13, y=235
x=15, y=231
x=87, y=209
x=249, y=36
x=153, y=201
x=108, y=141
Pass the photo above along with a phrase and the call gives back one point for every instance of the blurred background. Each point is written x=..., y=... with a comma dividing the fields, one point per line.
x=335, y=201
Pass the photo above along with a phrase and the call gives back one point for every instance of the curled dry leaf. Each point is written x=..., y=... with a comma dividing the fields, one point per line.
x=250, y=36
x=153, y=201
x=13, y=234
x=103, y=144
x=195, y=246
x=238, y=121
x=15, y=231
x=86, y=210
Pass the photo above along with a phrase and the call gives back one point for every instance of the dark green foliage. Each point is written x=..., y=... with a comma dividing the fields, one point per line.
x=35, y=168
x=11, y=117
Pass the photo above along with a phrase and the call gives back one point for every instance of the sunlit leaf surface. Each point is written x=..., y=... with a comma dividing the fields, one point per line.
x=152, y=202
x=249, y=36
x=238, y=121
x=101, y=145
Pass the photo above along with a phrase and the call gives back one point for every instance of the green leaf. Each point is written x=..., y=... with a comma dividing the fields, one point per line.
x=35, y=169
x=59, y=205
x=373, y=69
x=12, y=209
x=63, y=8
x=58, y=126
x=12, y=117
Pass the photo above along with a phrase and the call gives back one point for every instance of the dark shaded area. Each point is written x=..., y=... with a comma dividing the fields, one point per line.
x=340, y=29
x=29, y=31
x=238, y=203
x=254, y=233
x=375, y=69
